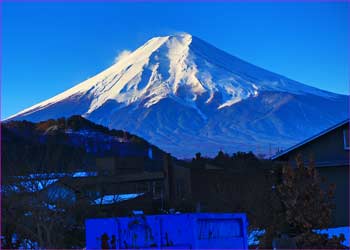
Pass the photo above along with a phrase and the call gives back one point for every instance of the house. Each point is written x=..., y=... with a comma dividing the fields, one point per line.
x=122, y=184
x=329, y=150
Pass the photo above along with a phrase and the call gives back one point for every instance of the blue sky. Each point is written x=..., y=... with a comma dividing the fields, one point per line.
x=49, y=47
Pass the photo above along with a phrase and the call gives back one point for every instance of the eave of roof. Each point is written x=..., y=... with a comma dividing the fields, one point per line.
x=310, y=139
x=321, y=164
x=76, y=183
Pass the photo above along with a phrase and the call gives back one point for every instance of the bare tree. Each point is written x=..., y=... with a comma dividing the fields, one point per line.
x=38, y=212
x=300, y=205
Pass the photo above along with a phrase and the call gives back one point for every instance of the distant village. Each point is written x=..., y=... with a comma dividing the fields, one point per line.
x=59, y=173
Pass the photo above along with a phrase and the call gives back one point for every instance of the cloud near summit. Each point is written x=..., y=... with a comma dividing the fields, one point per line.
x=121, y=55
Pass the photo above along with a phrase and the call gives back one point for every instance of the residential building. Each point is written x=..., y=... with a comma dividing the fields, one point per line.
x=329, y=151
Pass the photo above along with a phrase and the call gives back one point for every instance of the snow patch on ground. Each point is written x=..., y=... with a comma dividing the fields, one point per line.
x=336, y=232
x=255, y=234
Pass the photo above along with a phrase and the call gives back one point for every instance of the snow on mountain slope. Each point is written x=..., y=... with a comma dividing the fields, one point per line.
x=164, y=65
x=202, y=85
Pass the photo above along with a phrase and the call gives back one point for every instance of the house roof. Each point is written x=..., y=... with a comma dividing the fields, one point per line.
x=78, y=183
x=310, y=139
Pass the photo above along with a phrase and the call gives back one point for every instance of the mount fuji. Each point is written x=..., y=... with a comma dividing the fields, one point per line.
x=186, y=96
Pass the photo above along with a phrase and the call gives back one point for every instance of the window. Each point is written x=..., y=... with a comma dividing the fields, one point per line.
x=219, y=228
x=346, y=139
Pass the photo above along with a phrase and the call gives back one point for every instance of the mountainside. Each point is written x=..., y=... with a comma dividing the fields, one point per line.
x=184, y=95
x=67, y=145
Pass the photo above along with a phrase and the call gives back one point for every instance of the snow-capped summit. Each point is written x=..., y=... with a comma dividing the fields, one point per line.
x=197, y=81
x=181, y=67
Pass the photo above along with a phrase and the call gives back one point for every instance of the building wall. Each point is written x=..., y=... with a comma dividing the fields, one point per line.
x=339, y=175
x=120, y=165
x=181, y=184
